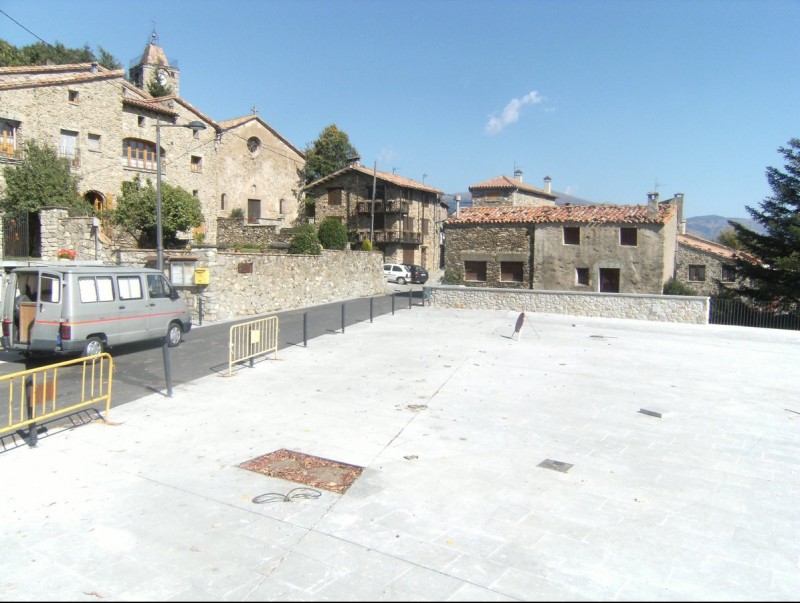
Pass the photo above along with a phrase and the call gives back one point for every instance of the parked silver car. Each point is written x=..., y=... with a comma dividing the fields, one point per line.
x=397, y=273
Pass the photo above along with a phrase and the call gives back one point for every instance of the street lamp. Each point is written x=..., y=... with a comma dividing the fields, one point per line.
x=195, y=126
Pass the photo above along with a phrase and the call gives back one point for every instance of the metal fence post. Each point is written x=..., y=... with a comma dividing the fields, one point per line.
x=392, y=303
x=409, y=298
x=305, y=329
x=371, y=300
x=342, y=318
x=33, y=429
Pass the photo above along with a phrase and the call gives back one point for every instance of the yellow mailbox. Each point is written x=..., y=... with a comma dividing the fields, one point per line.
x=201, y=276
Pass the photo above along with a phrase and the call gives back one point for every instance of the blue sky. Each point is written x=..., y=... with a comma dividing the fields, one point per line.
x=612, y=99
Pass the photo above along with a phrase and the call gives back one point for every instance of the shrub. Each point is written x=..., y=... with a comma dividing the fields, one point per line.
x=305, y=241
x=452, y=276
x=237, y=212
x=366, y=245
x=332, y=234
x=675, y=287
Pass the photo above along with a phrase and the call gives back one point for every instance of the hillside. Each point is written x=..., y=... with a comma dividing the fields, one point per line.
x=709, y=227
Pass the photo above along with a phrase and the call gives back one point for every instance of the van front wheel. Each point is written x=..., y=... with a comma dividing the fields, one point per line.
x=94, y=346
x=174, y=333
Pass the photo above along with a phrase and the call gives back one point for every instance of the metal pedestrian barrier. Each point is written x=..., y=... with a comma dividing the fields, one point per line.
x=40, y=394
x=250, y=339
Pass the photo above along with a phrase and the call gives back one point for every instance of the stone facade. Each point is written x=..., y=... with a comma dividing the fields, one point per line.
x=504, y=190
x=661, y=308
x=609, y=248
x=407, y=218
x=107, y=127
x=707, y=267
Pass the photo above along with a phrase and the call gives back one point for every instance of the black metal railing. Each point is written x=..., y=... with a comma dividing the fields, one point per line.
x=752, y=314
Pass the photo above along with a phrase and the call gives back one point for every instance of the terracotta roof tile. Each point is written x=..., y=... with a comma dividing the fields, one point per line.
x=385, y=176
x=504, y=182
x=578, y=214
x=695, y=242
x=53, y=75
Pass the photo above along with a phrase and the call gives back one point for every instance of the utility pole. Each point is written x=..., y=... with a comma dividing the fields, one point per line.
x=372, y=207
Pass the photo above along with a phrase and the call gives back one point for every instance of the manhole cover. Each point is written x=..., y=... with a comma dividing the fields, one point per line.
x=555, y=465
x=305, y=469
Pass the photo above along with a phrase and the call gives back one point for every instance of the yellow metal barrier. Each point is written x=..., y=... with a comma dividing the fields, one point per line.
x=37, y=395
x=251, y=339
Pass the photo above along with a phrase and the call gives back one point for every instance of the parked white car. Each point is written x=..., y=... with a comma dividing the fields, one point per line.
x=397, y=273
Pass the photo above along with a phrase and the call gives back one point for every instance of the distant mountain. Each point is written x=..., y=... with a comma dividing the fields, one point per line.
x=709, y=227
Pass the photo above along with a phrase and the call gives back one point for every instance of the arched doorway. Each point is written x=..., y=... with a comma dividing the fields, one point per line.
x=97, y=201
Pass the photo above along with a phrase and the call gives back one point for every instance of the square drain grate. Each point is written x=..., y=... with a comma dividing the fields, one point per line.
x=305, y=469
x=555, y=465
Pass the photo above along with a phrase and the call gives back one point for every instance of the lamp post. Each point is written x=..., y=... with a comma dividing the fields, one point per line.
x=195, y=126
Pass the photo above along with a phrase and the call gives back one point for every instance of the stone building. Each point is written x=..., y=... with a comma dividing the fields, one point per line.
x=601, y=248
x=405, y=223
x=503, y=190
x=106, y=124
x=706, y=266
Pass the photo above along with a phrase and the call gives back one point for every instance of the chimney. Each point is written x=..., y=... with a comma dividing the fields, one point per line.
x=458, y=206
x=652, y=205
x=518, y=175
x=353, y=161
x=94, y=67
x=681, y=221
x=547, y=181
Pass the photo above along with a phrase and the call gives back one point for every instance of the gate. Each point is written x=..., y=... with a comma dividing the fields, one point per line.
x=16, y=236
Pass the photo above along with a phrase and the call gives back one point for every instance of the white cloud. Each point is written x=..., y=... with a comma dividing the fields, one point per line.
x=510, y=113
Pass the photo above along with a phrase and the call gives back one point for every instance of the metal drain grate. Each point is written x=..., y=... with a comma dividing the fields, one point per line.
x=305, y=469
x=555, y=465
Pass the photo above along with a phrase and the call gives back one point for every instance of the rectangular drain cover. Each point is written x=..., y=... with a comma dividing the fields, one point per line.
x=555, y=465
x=305, y=469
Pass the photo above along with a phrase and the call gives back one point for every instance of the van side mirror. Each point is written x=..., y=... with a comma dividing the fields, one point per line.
x=173, y=295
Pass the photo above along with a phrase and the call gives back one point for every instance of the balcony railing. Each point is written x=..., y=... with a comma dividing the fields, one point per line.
x=73, y=156
x=10, y=151
x=391, y=236
x=393, y=206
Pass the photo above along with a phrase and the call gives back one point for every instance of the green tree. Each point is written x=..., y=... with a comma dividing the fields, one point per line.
x=136, y=211
x=305, y=241
x=42, y=179
x=332, y=233
x=329, y=153
x=41, y=52
x=727, y=236
x=775, y=275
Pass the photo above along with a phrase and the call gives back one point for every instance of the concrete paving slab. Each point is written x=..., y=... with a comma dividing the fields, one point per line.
x=495, y=469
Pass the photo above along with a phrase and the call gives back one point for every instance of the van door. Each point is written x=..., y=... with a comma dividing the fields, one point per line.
x=133, y=309
x=162, y=307
x=47, y=305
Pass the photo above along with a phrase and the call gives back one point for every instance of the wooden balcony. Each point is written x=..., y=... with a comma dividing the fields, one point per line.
x=394, y=206
x=391, y=236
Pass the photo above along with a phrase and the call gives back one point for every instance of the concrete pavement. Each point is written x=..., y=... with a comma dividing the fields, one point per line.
x=588, y=459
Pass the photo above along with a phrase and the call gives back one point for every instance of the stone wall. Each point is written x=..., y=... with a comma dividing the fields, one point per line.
x=661, y=308
x=241, y=284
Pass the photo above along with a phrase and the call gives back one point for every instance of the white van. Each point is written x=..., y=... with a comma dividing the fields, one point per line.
x=59, y=309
